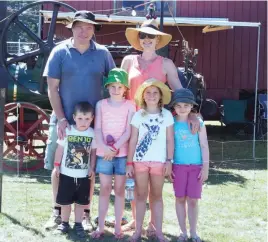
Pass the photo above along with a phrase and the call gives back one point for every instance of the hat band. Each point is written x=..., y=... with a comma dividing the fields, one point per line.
x=150, y=26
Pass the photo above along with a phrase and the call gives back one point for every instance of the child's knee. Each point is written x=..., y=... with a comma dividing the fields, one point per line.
x=119, y=190
x=180, y=200
x=106, y=189
x=156, y=196
x=141, y=196
x=192, y=202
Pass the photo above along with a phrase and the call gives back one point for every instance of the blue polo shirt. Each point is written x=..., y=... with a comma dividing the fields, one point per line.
x=80, y=75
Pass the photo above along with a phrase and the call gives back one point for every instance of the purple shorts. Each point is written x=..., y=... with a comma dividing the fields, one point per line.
x=186, y=182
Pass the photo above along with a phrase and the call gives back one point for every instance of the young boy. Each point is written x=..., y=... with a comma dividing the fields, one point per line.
x=74, y=164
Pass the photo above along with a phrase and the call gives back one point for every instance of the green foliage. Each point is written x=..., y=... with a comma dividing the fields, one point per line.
x=29, y=18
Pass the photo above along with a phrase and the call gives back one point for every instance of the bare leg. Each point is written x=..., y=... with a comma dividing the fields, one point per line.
x=119, y=190
x=157, y=183
x=65, y=213
x=181, y=213
x=105, y=191
x=142, y=180
x=131, y=225
x=192, y=215
x=78, y=213
x=55, y=187
x=150, y=231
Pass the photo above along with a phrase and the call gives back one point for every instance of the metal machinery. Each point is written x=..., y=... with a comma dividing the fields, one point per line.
x=26, y=112
x=26, y=117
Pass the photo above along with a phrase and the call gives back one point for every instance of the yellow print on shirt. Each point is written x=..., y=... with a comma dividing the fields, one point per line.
x=78, y=151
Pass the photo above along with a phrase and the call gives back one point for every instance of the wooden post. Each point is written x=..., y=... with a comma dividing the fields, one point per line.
x=3, y=86
x=2, y=106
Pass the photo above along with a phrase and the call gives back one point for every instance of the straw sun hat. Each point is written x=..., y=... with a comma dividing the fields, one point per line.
x=166, y=93
x=149, y=27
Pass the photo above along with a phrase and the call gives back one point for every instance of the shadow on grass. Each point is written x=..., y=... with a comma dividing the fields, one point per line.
x=257, y=164
x=217, y=177
x=15, y=221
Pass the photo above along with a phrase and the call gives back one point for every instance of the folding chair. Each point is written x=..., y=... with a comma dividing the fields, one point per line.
x=262, y=116
x=233, y=113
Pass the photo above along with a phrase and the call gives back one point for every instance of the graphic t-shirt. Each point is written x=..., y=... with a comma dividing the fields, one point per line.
x=77, y=148
x=187, y=147
x=152, y=139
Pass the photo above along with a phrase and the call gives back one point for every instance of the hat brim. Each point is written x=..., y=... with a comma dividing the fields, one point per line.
x=182, y=100
x=69, y=26
x=133, y=39
x=107, y=81
x=166, y=92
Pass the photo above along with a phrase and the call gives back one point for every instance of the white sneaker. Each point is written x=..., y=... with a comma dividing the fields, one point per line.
x=53, y=222
x=87, y=224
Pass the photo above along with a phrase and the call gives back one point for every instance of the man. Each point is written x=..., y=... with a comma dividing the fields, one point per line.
x=74, y=71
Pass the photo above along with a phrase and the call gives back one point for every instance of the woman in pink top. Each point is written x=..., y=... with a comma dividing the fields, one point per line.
x=148, y=65
x=112, y=129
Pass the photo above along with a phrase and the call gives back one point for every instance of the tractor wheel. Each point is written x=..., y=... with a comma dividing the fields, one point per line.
x=26, y=129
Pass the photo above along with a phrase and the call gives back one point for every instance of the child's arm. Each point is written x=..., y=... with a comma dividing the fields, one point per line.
x=205, y=154
x=126, y=135
x=58, y=158
x=170, y=151
x=92, y=163
x=108, y=153
x=131, y=150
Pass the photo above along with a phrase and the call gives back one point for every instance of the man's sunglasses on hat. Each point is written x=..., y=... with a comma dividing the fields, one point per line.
x=143, y=35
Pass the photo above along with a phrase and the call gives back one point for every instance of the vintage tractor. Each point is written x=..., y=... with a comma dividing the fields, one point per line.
x=27, y=109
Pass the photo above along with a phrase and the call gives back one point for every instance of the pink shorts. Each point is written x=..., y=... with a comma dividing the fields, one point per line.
x=186, y=182
x=152, y=167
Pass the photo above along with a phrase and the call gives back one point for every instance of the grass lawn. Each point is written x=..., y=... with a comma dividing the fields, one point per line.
x=233, y=208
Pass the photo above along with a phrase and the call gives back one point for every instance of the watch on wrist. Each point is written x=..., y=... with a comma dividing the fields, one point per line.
x=170, y=160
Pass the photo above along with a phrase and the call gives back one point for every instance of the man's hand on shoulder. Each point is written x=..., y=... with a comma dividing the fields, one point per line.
x=62, y=125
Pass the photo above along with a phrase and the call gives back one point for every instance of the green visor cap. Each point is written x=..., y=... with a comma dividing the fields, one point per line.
x=117, y=75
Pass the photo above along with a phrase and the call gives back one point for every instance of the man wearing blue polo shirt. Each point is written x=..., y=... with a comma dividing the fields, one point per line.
x=74, y=71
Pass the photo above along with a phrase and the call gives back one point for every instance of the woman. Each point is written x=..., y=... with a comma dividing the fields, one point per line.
x=148, y=65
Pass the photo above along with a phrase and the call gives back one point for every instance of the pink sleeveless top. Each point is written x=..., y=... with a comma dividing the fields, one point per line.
x=137, y=75
x=113, y=122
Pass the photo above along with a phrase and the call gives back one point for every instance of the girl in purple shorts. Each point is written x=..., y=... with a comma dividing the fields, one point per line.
x=191, y=163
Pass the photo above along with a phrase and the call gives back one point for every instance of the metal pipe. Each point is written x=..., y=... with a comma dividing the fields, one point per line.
x=256, y=93
x=162, y=16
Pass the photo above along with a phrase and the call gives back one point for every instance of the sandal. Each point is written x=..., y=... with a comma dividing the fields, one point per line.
x=97, y=234
x=161, y=238
x=196, y=239
x=119, y=236
x=134, y=238
x=129, y=226
x=182, y=238
x=150, y=231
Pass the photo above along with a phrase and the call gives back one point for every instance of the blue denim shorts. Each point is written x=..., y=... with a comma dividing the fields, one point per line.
x=116, y=166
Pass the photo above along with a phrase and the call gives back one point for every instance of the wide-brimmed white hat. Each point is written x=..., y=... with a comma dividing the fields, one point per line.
x=149, y=27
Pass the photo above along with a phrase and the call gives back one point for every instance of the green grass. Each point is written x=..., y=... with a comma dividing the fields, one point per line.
x=233, y=207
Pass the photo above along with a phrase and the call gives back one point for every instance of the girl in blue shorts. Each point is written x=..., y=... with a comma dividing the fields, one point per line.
x=112, y=127
x=191, y=163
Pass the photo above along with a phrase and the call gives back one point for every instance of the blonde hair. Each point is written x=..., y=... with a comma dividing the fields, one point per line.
x=160, y=103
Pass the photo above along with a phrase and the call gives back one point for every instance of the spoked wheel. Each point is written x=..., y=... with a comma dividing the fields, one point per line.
x=26, y=129
x=39, y=48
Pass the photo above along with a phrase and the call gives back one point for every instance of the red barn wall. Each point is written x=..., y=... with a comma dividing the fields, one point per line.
x=227, y=59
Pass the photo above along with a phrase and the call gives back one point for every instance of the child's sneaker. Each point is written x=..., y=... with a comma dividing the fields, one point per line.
x=64, y=227
x=196, y=239
x=87, y=224
x=79, y=230
x=53, y=222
